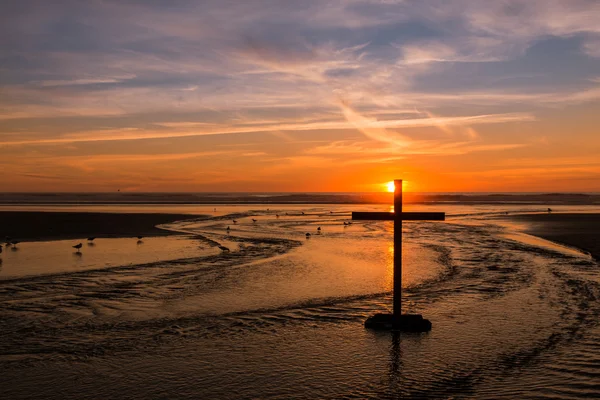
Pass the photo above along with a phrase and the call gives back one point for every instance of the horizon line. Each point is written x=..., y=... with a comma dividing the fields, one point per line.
x=303, y=192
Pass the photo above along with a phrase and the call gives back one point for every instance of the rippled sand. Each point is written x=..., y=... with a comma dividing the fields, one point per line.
x=280, y=316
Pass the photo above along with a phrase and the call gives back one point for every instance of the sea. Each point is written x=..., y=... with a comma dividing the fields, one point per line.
x=276, y=314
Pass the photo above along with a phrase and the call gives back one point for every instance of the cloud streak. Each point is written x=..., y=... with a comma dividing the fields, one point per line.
x=409, y=79
x=374, y=129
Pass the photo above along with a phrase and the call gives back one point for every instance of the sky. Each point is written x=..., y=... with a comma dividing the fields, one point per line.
x=299, y=95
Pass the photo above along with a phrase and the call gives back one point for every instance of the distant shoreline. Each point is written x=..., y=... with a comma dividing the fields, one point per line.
x=41, y=225
x=579, y=230
x=122, y=198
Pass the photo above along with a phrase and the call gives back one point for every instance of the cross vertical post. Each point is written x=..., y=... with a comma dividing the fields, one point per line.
x=397, y=310
x=396, y=320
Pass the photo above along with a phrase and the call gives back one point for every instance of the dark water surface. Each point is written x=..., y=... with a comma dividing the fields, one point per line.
x=280, y=316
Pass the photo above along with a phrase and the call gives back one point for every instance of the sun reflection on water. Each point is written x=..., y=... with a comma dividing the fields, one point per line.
x=389, y=268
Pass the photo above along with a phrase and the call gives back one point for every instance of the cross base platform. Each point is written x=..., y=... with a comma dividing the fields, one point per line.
x=406, y=323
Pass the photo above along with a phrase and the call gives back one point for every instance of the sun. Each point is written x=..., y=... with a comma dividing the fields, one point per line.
x=390, y=186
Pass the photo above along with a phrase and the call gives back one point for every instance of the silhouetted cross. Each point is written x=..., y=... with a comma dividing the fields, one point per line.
x=398, y=216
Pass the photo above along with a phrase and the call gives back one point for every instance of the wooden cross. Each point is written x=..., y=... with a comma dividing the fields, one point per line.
x=398, y=216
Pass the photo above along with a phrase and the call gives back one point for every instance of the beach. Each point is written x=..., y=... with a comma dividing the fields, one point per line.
x=579, y=230
x=36, y=225
x=279, y=315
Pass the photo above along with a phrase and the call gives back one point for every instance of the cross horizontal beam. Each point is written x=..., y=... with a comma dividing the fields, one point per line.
x=404, y=216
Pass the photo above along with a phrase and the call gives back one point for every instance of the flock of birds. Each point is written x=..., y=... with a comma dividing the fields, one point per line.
x=79, y=245
x=8, y=242
x=254, y=220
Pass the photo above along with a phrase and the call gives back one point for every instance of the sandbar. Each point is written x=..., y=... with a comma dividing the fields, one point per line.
x=37, y=225
x=580, y=230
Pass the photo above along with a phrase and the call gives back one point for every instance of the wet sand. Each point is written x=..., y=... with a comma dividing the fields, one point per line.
x=572, y=229
x=34, y=226
x=281, y=316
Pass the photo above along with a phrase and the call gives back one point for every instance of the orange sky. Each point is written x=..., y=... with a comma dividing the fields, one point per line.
x=322, y=96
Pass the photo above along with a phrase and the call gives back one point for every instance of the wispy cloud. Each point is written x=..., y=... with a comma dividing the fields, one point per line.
x=85, y=81
x=412, y=78
x=591, y=46
x=374, y=129
x=424, y=147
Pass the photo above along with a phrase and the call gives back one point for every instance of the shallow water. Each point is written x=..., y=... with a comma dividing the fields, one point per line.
x=280, y=316
x=59, y=256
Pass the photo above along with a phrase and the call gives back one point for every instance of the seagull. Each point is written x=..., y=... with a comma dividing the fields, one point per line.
x=78, y=247
x=549, y=210
x=253, y=220
x=308, y=235
x=228, y=229
x=224, y=248
x=302, y=212
x=91, y=239
x=345, y=223
x=234, y=221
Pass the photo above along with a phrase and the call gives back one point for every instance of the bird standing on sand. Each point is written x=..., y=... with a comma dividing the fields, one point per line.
x=78, y=246
x=224, y=248
x=308, y=235
x=228, y=229
x=15, y=243
x=319, y=230
x=549, y=210
x=234, y=221
x=253, y=220
x=91, y=239
x=140, y=237
x=276, y=215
